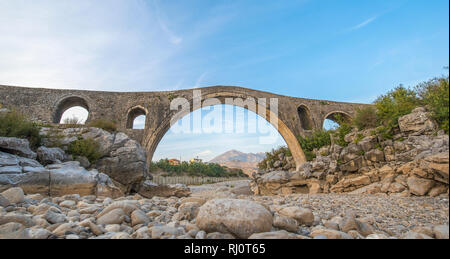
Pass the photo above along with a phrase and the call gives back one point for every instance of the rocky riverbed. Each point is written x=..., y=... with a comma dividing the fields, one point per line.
x=223, y=211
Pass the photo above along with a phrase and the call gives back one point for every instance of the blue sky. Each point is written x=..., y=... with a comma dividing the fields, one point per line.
x=336, y=50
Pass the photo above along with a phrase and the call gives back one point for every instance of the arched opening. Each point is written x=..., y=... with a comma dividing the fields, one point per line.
x=136, y=118
x=334, y=119
x=229, y=135
x=153, y=138
x=71, y=110
x=305, y=117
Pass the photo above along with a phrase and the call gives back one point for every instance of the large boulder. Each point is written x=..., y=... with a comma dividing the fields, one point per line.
x=301, y=215
x=124, y=160
x=14, y=195
x=20, y=147
x=419, y=186
x=417, y=122
x=241, y=218
x=150, y=189
x=22, y=172
x=121, y=158
x=71, y=178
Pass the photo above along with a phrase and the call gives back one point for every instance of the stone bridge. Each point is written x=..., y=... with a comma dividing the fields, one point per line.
x=296, y=116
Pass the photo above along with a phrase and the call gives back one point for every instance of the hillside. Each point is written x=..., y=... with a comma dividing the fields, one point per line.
x=248, y=162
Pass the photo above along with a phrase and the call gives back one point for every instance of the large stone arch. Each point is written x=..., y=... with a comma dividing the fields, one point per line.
x=133, y=113
x=66, y=103
x=153, y=138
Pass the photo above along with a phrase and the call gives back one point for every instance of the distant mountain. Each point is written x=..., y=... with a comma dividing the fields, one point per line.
x=248, y=162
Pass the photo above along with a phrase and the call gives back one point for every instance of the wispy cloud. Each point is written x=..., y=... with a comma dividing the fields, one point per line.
x=173, y=38
x=363, y=24
x=83, y=44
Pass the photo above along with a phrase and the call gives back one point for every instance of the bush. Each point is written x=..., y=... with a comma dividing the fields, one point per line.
x=366, y=118
x=317, y=140
x=434, y=95
x=395, y=104
x=88, y=148
x=272, y=156
x=339, y=134
x=109, y=126
x=15, y=125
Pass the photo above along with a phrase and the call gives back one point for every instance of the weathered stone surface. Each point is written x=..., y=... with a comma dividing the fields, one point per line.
x=127, y=207
x=115, y=216
x=419, y=186
x=14, y=195
x=13, y=230
x=374, y=155
x=48, y=156
x=285, y=223
x=125, y=159
x=419, y=121
x=301, y=215
x=237, y=217
x=217, y=235
x=150, y=189
x=4, y=202
x=165, y=231
x=139, y=217
x=54, y=217
x=188, y=211
x=18, y=218
x=441, y=232
x=71, y=178
x=415, y=235
x=20, y=147
x=106, y=188
x=330, y=234
x=282, y=234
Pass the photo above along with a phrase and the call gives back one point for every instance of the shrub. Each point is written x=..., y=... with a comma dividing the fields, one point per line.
x=109, y=126
x=88, y=148
x=366, y=118
x=339, y=133
x=14, y=124
x=272, y=156
x=434, y=95
x=317, y=140
x=395, y=104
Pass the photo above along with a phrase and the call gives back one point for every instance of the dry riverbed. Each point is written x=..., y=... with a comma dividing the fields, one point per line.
x=198, y=216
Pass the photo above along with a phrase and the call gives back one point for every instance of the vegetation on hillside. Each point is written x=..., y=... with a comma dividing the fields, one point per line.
x=88, y=148
x=194, y=169
x=272, y=156
x=15, y=124
x=382, y=116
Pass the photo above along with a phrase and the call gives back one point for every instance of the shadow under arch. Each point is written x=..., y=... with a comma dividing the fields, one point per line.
x=66, y=103
x=304, y=114
x=133, y=113
x=152, y=139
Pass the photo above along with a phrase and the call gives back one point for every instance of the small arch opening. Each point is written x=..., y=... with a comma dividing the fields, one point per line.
x=136, y=118
x=305, y=118
x=335, y=119
x=74, y=115
x=72, y=110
